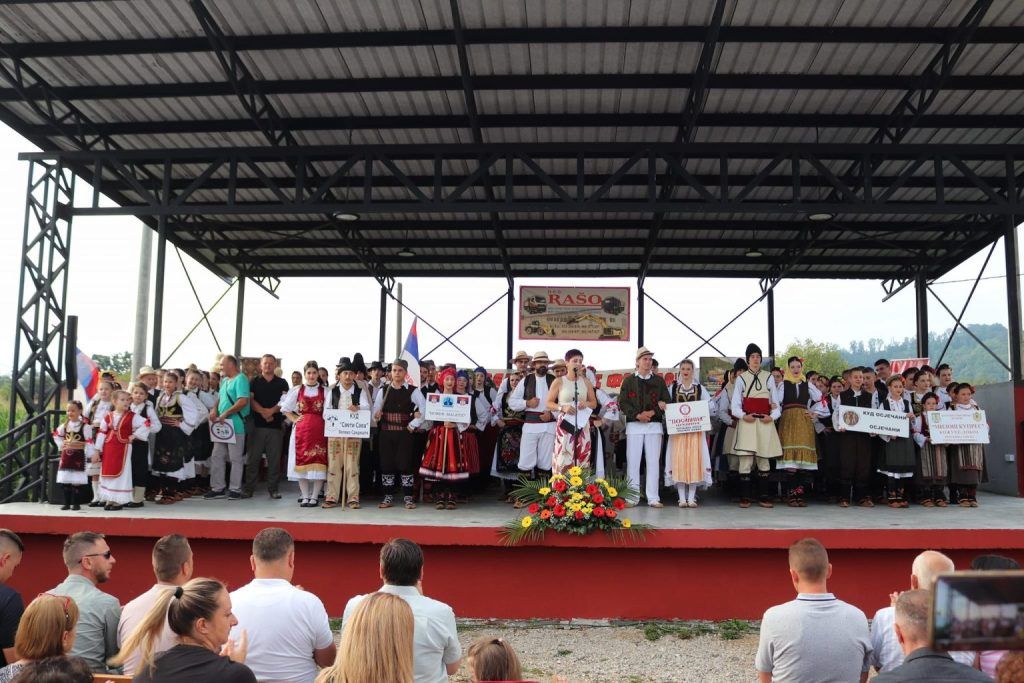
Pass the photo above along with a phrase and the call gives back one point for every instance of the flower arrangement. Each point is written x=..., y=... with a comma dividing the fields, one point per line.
x=573, y=503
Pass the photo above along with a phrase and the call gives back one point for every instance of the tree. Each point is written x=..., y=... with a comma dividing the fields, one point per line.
x=119, y=363
x=821, y=357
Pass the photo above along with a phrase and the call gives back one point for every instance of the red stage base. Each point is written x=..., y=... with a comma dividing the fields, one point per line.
x=681, y=573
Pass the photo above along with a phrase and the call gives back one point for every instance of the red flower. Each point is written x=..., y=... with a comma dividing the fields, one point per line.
x=552, y=502
x=534, y=508
x=598, y=499
x=147, y=423
x=598, y=512
x=611, y=514
x=578, y=514
x=545, y=514
x=560, y=485
x=619, y=504
x=591, y=489
x=559, y=511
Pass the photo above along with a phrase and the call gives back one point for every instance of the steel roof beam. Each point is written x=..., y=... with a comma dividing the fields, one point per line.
x=562, y=271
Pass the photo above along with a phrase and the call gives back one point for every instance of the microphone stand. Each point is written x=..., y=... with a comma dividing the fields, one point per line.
x=575, y=418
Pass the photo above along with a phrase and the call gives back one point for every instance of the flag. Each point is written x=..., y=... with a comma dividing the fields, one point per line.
x=88, y=373
x=411, y=354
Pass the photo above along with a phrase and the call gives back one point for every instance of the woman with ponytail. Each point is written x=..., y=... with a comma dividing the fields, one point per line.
x=199, y=614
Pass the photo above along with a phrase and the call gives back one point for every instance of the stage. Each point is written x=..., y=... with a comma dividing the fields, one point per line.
x=713, y=562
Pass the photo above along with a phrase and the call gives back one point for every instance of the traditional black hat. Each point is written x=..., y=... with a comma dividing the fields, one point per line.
x=751, y=350
x=739, y=365
x=358, y=364
x=376, y=365
x=344, y=364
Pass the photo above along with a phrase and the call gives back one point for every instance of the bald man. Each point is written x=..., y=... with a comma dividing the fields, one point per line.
x=886, y=653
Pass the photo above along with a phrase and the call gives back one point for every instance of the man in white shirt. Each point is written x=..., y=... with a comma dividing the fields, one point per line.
x=537, y=445
x=172, y=565
x=436, y=650
x=289, y=632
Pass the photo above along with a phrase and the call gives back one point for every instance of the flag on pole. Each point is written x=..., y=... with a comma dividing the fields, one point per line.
x=88, y=373
x=411, y=354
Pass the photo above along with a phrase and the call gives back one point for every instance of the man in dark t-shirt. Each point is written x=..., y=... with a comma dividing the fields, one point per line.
x=11, y=605
x=266, y=391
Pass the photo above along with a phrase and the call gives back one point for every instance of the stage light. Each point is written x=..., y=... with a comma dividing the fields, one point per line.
x=406, y=252
x=754, y=252
x=821, y=217
x=346, y=216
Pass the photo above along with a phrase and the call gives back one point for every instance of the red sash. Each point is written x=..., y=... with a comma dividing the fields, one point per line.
x=757, y=406
x=116, y=444
x=310, y=442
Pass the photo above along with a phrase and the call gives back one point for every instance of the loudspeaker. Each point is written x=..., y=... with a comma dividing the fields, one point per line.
x=71, y=353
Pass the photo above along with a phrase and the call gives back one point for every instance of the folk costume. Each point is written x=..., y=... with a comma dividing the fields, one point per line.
x=757, y=442
x=573, y=443
x=74, y=439
x=487, y=430
x=307, y=447
x=638, y=394
x=119, y=434
x=796, y=433
x=142, y=448
x=967, y=465
x=933, y=465
x=725, y=414
x=94, y=411
x=688, y=457
x=899, y=457
x=829, y=439
x=505, y=463
x=199, y=440
x=854, y=452
x=343, y=453
x=604, y=417
x=397, y=408
x=538, y=439
x=444, y=461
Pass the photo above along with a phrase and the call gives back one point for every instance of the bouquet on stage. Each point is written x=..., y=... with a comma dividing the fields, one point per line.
x=573, y=503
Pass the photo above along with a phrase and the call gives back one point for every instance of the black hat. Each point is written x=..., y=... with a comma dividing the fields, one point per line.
x=376, y=365
x=344, y=364
x=739, y=365
x=358, y=365
x=751, y=350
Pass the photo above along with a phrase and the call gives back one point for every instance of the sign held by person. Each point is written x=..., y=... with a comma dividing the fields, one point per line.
x=222, y=432
x=683, y=418
x=957, y=426
x=574, y=313
x=342, y=423
x=448, y=407
x=870, y=421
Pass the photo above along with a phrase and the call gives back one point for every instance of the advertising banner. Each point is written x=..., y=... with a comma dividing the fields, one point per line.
x=957, y=426
x=574, y=313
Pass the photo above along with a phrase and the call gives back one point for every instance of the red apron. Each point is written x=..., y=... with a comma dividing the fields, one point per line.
x=310, y=442
x=116, y=444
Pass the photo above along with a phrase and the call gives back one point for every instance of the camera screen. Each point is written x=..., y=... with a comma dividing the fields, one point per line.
x=978, y=611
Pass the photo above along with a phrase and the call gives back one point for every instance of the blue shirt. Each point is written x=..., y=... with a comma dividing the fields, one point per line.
x=230, y=391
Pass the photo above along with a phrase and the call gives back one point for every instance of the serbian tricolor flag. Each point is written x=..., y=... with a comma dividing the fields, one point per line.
x=88, y=373
x=411, y=355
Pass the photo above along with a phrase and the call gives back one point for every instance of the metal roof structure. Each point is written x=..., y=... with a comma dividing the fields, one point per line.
x=477, y=138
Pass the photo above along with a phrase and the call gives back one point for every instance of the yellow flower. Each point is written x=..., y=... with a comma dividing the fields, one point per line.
x=575, y=470
x=601, y=481
x=544, y=490
x=612, y=491
x=577, y=496
x=527, y=521
x=625, y=523
x=555, y=477
x=576, y=481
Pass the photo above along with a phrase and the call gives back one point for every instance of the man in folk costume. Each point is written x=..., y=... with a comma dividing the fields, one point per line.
x=537, y=444
x=755, y=408
x=399, y=411
x=343, y=453
x=642, y=399
x=521, y=364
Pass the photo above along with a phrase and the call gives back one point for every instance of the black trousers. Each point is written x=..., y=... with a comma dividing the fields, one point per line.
x=854, y=464
x=140, y=463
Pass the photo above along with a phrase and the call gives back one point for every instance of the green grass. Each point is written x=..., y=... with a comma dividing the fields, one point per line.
x=562, y=653
x=730, y=629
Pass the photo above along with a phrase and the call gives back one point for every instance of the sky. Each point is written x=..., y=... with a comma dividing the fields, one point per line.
x=324, y=318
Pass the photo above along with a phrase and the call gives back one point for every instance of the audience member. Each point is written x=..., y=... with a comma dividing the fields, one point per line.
x=377, y=644
x=199, y=614
x=47, y=629
x=436, y=649
x=89, y=562
x=289, y=631
x=922, y=663
x=815, y=638
x=56, y=670
x=11, y=605
x=172, y=565
x=492, y=659
x=988, y=660
x=1010, y=668
x=886, y=653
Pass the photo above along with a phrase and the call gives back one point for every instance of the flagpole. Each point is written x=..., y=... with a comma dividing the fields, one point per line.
x=398, y=326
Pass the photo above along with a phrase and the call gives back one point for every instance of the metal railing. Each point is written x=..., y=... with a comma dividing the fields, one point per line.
x=28, y=456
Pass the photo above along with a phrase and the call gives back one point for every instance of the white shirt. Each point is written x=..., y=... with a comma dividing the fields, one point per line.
x=285, y=625
x=517, y=402
x=364, y=401
x=886, y=653
x=435, y=639
x=417, y=400
x=739, y=389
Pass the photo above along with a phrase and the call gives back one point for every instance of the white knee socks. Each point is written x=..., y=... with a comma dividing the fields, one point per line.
x=687, y=492
x=304, y=488
x=316, y=485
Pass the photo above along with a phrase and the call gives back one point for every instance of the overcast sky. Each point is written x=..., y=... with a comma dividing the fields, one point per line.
x=323, y=319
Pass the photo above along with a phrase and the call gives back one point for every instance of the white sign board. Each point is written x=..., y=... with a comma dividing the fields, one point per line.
x=342, y=423
x=448, y=407
x=683, y=418
x=222, y=432
x=884, y=422
x=957, y=426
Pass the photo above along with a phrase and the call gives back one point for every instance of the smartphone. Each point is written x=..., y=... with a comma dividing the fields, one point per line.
x=978, y=611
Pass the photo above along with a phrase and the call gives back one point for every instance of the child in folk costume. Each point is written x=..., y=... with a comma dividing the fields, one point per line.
x=725, y=414
x=74, y=439
x=444, y=461
x=172, y=463
x=601, y=421
x=899, y=456
x=757, y=441
x=796, y=430
x=343, y=453
x=933, y=462
x=829, y=438
x=484, y=393
x=95, y=410
x=688, y=455
x=505, y=464
x=567, y=395
x=719, y=463
x=141, y=459
x=120, y=430
x=200, y=437
x=470, y=438
x=307, y=447
x=854, y=447
x=398, y=409
x=966, y=460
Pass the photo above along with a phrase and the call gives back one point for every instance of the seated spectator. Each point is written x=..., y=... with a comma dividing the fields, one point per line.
x=436, y=649
x=492, y=659
x=1010, y=668
x=816, y=638
x=199, y=614
x=376, y=645
x=289, y=631
x=11, y=605
x=56, y=670
x=89, y=562
x=922, y=663
x=172, y=565
x=47, y=629
x=886, y=653
x=988, y=660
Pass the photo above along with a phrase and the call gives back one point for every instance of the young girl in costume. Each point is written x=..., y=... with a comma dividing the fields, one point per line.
x=444, y=461
x=796, y=430
x=307, y=447
x=688, y=454
x=505, y=464
x=120, y=430
x=933, y=462
x=179, y=415
x=898, y=456
x=967, y=460
x=95, y=410
x=74, y=439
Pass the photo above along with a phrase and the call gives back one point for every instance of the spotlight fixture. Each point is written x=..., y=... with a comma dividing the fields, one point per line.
x=754, y=252
x=346, y=216
x=821, y=217
x=406, y=252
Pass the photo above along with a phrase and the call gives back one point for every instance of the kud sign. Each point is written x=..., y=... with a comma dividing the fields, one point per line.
x=885, y=422
x=683, y=418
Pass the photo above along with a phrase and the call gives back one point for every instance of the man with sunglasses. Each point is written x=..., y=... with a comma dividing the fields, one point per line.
x=89, y=561
x=11, y=605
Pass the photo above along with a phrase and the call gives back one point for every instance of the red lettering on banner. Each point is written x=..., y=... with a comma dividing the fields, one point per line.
x=615, y=380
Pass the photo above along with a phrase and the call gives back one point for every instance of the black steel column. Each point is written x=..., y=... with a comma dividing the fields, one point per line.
x=771, y=324
x=383, y=323
x=921, y=295
x=239, y=314
x=639, y=314
x=511, y=319
x=158, y=291
x=1013, y=296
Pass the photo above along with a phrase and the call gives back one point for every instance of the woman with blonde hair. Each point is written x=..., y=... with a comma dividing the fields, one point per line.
x=47, y=629
x=376, y=644
x=199, y=614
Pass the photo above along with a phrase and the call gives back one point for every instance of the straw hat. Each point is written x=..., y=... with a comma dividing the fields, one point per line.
x=146, y=370
x=520, y=355
x=643, y=351
x=541, y=357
